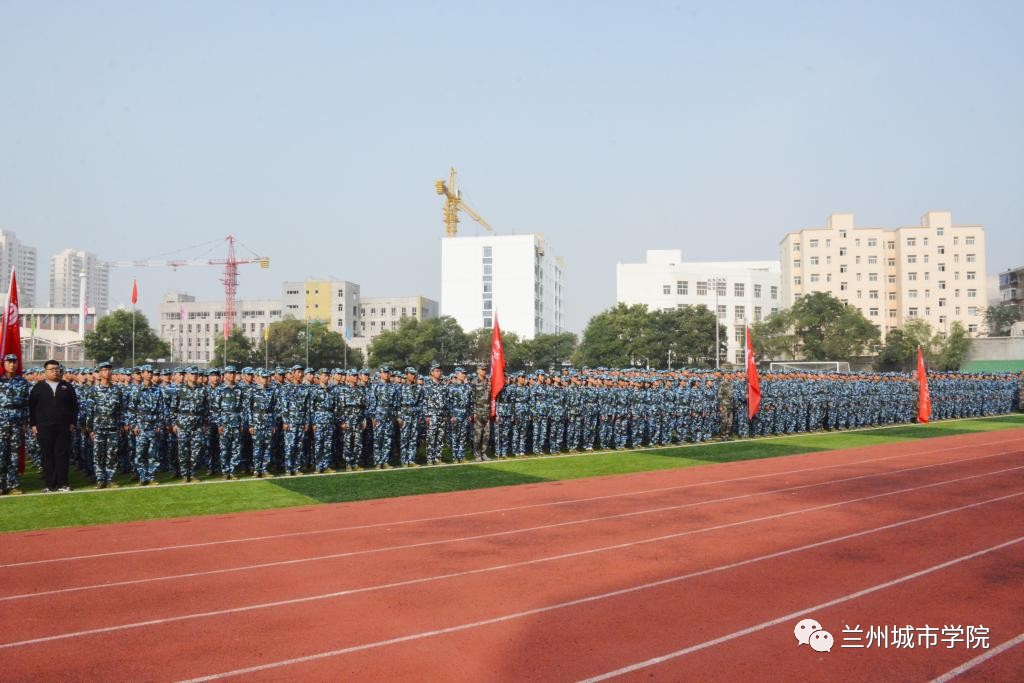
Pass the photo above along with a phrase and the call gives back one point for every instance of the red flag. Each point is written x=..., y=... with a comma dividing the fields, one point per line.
x=753, y=381
x=10, y=341
x=924, y=399
x=497, y=364
x=135, y=292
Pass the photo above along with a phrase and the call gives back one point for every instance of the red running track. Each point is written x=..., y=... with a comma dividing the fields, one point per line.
x=695, y=574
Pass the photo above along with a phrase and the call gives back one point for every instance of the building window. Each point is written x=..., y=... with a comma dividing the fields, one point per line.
x=775, y=291
x=741, y=313
x=891, y=279
x=757, y=291
x=873, y=312
x=666, y=289
x=813, y=260
x=702, y=288
x=940, y=231
x=873, y=294
x=972, y=275
x=971, y=258
x=739, y=334
x=487, y=252
x=942, y=250
x=843, y=286
x=912, y=312
x=942, y=303
x=872, y=242
x=842, y=251
x=892, y=296
x=911, y=241
x=842, y=269
x=757, y=314
x=814, y=244
x=972, y=328
x=890, y=262
x=796, y=246
x=796, y=263
x=796, y=280
x=721, y=312
x=911, y=276
x=872, y=277
x=856, y=242
x=720, y=287
x=972, y=310
x=842, y=234
x=942, y=267
x=911, y=258
x=911, y=293
x=814, y=277
x=972, y=294
x=969, y=241
x=738, y=288
x=892, y=312
x=872, y=260
x=682, y=287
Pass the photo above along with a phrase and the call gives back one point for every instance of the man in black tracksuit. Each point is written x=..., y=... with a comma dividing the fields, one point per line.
x=52, y=414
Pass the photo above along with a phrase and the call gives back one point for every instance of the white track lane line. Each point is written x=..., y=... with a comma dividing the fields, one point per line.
x=423, y=520
x=478, y=537
x=984, y=657
x=580, y=553
x=793, y=615
x=603, y=596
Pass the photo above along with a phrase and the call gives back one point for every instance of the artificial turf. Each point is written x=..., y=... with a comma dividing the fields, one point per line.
x=132, y=503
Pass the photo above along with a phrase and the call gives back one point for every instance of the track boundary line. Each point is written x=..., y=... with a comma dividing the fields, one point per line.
x=984, y=657
x=589, y=551
x=477, y=537
x=463, y=515
x=594, y=598
x=793, y=615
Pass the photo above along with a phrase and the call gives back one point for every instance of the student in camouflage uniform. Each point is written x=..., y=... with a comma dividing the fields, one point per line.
x=350, y=412
x=381, y=402
x=481, y=413
x=261, y=417
x=149, y=418
x=105, y=424
x=437, y=411
x=14, y=391
x=410, y=408
x=191, y=412
x=321, y=406
x=460, y=402
x=226, y=408
x=725, y=407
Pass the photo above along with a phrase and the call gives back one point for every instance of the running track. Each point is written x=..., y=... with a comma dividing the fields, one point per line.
x=693, y=574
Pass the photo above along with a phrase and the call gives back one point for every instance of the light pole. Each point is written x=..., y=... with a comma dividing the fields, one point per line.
x=670, y=354
x=718, y=349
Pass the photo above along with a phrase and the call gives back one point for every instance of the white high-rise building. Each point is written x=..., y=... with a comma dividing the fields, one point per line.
x=933, y=271
x=515, y=276
x=14, y=254
x=744, y=292
x=66, y=269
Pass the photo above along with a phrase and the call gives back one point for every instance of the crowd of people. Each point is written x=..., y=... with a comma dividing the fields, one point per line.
x=264, y=422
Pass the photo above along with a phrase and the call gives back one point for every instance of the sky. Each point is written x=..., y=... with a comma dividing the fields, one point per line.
x=314, y=132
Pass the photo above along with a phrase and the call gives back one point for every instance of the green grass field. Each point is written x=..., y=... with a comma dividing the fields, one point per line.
x=86, y=506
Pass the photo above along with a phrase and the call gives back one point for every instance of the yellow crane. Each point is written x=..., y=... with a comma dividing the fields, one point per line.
x=453, y=203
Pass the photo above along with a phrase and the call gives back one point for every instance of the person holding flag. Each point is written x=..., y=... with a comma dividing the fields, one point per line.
x=14, y=391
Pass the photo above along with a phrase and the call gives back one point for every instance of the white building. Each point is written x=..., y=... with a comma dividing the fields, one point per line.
x=193, y=329
x=56, y=333
x=66, y=269
x=14, y=254
x=934, y=271
x=515, y=276
x=744, y=292
x=333, y=301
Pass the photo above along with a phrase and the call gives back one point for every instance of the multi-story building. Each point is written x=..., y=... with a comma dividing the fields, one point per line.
x=66, y=270
x=333, y=301
x=515, y=276
x=1011, y=289
x=383, y=313
x=934, y=271
x=23, y=258
x=193, y=329
x=741, y=292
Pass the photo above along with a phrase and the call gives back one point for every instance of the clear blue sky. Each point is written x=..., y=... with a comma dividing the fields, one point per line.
x=314, y=131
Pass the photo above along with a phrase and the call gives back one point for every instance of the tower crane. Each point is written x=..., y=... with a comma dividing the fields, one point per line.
x=229, y=278
x=453, y=203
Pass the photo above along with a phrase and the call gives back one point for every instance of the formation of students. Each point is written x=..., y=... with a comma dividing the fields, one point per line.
x=261, y=422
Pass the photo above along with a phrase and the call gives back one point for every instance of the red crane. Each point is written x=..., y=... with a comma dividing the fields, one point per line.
x=229, y=279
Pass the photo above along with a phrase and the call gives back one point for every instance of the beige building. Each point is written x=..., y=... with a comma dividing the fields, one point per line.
x=384, y=313
x=194, y=329
x=935, y=271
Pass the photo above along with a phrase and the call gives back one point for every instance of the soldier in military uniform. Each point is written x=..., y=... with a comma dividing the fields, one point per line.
x=410, y=408
x=381, y=403
x=105, y=424
x=260, y=413
x=191, y=415
x=226, y=407
x=350, y=413
x=437, y=411
x=149, y=418
x=725, y=407
x=294, y=408
x=460, y=403
x=504, y=420
x=481, y=413
x=14, y=391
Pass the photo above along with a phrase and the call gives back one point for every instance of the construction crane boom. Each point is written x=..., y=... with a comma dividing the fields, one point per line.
x=453, y=203
x=229, y=278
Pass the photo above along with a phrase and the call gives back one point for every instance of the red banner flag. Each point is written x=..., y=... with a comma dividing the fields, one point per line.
x=924, y=399
x=497, y=365
x=10, y=341
x=753, y=381
x=135, y=292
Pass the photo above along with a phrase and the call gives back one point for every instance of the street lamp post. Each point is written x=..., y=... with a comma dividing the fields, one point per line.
x=718, y=349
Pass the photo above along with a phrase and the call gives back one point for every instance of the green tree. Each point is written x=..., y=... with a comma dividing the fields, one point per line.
x=112, y=339
x=285, y=345
x=999, y=319
x=773, y=337
x=941, y=351
x=626, y=335
x=954, y=348
x=480, y=349
x=897, y=354
x=420, y=343
x=828, y=329
x=240, y=351
x=550, y=350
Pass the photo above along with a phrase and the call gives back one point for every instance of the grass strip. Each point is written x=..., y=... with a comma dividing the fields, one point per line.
x=132, y=503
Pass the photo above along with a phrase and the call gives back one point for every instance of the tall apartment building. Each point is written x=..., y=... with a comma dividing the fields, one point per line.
x=516, y=276
x=66, y=269
x=193, y=329
x=1011, y=289
x=934, y=271
x=333, y=301
x=742, y=292
x=23, y=258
